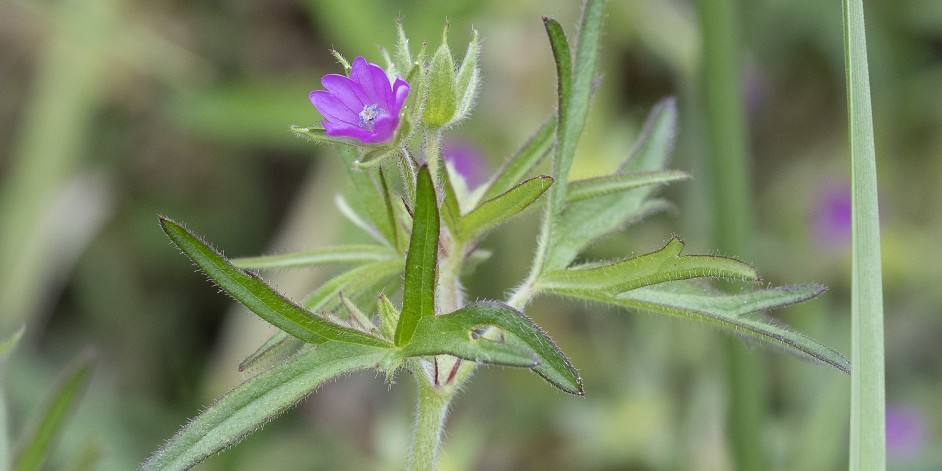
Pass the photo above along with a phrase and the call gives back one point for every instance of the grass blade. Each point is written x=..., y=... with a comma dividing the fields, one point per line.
x=257, y=401
x=258, y=297
x=868, y=387
x=421, y=262
x=38, y=444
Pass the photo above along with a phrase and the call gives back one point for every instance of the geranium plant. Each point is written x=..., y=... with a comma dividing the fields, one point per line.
x=387, y=124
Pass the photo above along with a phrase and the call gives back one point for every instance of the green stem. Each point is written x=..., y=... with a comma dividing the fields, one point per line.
x=733, y=224
x=868, y=388
x=429, y=424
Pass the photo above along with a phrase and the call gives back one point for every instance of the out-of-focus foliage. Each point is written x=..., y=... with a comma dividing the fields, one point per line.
x=112, y=111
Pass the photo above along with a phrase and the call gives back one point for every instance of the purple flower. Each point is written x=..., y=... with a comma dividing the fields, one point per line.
x=363, y=106
x=831, y=218
x=905, y=431
x=466, y=160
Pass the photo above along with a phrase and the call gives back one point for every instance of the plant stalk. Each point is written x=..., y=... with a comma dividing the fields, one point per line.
x=429, y=424
x=733, y=214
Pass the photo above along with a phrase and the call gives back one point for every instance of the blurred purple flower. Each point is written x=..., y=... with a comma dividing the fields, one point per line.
x=830, y=217
x=467, y=160
x=363, y=106
x=905, y=431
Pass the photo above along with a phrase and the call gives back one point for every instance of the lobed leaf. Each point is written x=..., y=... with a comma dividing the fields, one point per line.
x=421, y=262
x=523, y=343
x=726, y=311
x=255, y=402
x=663, y=265
x=311, y=258
x=258, y=297
x=39, y=442
x=501, y=208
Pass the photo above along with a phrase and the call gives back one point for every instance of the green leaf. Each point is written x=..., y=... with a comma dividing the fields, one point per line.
x=565, y=147
x=360, y=281
x=368, y=196
x=388, y=199
x=727, y=311
x=421, y=262
x=257, y=296
x=603, y=186
x=663, y=265
x=317, y=257
x=521, y=342
x=355, y=316
x=38, y=444
x=501, y=208
x=9, y=343
x=451, y=210
x=584, y=221
x=523, y=161
x=252, y=404
x=278, y=347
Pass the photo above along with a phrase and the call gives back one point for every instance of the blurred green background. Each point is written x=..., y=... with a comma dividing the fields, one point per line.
x=113, y=111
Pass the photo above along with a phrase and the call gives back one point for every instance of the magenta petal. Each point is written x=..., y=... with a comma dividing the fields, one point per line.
x=342, y=130
x=346, y=90
x=400, y=91
x=384, y=127
x=333, y=109
x=374, y=82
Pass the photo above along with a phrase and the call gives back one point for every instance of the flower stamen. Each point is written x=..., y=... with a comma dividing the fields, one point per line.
x=369, y=114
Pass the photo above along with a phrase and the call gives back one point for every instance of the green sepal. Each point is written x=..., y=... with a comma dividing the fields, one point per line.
x=37, y=444
x=388, y=316
x=656, y=267
x=468, y=80
x=252, y=404
x=520, y=342
x=422, y=260
x=501, y=208
x=258, y=297
x=402, y=56
x=730, y=312
x=319, y=135
x=441, y=100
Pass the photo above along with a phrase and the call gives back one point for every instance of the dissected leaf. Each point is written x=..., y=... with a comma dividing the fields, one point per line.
x=316, y=257
x=727, y=311
x=421, y=262
x=601, y=186
x=38, y=444
x=257, y=401
x=258, y=297
x=523, y=161
x=501, y=208
x=523, y=344
x=663, y=265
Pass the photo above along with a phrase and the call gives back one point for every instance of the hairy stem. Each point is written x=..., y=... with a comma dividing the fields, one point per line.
x=429, y=424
